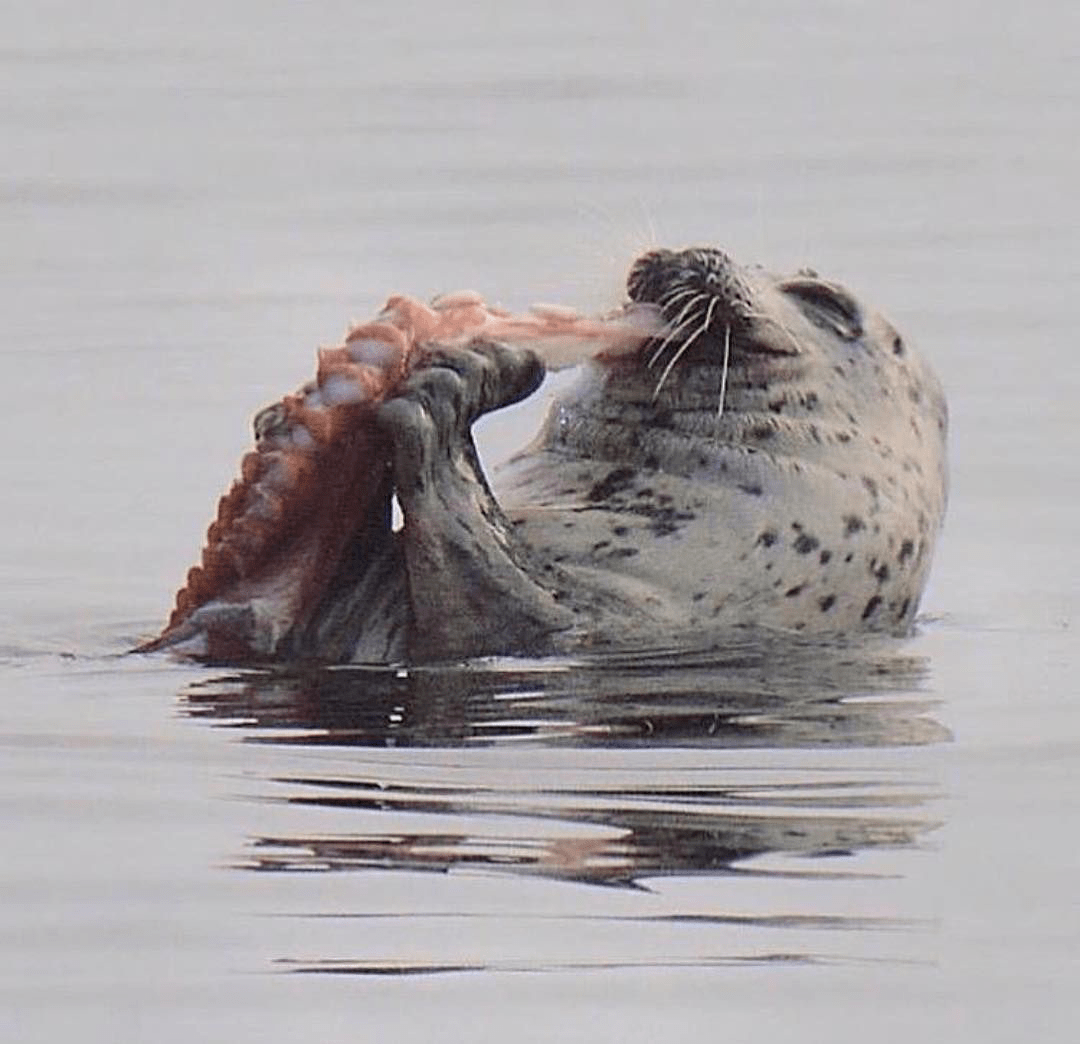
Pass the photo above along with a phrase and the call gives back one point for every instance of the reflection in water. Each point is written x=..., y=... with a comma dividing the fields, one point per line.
x=672, y=766
x=781, y=695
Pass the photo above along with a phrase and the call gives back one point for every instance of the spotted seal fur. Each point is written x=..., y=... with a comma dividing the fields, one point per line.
x=766, y=453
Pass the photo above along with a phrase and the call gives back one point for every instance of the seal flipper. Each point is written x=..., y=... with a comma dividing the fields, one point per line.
x=472, y=586
x=364, y=615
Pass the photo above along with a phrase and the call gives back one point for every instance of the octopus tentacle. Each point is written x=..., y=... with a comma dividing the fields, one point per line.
x=320, y=462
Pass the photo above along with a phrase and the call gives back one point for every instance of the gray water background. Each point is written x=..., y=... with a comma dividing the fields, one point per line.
x=191, y=198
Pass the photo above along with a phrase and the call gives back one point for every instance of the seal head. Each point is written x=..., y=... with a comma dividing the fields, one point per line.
x=774, y=459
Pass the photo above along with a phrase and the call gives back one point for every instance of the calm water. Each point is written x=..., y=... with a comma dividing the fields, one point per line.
x=761, y=843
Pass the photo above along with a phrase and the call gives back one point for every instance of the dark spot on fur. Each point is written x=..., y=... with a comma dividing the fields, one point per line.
x=852, y=524
x=824, y=557
x=805, y=543
x=615, y=481
x=826, y=603
x=907, y=549
x=699, y=595
x=871, y=607
x=751, y=489
x=791, y=592
x=620, y=531
x=762, y=431
x=768, y=537
x=652, y=462
x=645, y=491
x=777, y=406
x=623, y=552
x=881, y=572
x=898, y=345
x=905, y=605
x=849, y=556
x=871, y=485
x=601, y=544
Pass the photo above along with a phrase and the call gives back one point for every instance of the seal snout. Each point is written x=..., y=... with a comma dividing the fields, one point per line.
x=697, y=288
x=707, y=304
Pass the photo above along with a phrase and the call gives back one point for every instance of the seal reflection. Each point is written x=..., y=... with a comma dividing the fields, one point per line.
x=731, y=764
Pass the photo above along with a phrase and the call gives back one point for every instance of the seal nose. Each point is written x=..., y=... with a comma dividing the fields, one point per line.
x=698, y=285
x=654, y=276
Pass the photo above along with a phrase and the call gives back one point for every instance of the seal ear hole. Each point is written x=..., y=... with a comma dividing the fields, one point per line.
x=827, y=305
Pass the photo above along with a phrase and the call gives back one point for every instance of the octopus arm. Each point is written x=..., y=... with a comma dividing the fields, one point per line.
x=317, y=476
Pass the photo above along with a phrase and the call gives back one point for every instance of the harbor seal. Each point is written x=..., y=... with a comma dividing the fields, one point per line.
x=741, y=451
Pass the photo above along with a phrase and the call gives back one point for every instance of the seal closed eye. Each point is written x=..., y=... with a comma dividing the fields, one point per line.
x=828, y=304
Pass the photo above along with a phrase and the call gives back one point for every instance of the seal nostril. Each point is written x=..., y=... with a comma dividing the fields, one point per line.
x=645, y=281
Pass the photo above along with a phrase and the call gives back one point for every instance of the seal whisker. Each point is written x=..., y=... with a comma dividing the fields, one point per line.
x=676, y=357
x=684, y=319
x=697, y=296
x=671, y=336
x=678, y=295
x=724, y=370
x=685, y=346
